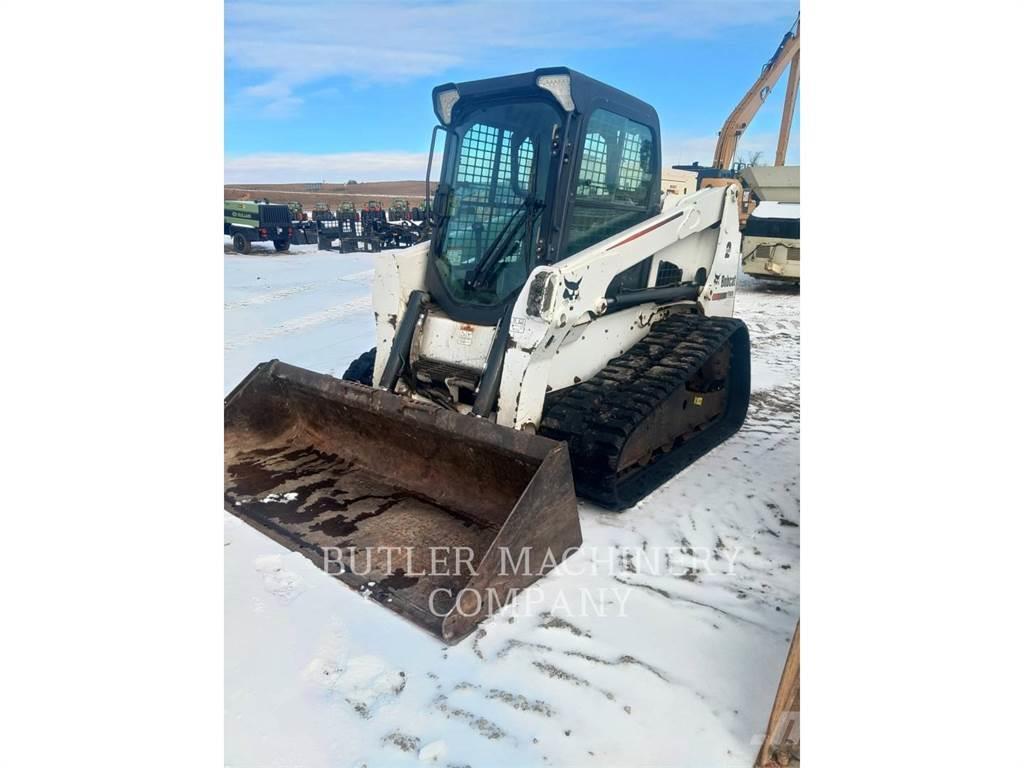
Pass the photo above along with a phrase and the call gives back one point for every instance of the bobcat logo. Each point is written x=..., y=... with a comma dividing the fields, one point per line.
x=572, y=290
x=725, y=281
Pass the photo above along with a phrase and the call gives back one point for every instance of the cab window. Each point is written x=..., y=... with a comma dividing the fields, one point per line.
x=498, y=182
x=613, y=186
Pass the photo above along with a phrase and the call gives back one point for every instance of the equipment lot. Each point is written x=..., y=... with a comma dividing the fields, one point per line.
x=673, y=667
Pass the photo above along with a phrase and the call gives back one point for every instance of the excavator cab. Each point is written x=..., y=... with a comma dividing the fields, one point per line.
x=537, y=167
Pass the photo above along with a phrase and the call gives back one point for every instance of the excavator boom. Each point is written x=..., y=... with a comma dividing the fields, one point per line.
x=787, y=110
x=744, y=112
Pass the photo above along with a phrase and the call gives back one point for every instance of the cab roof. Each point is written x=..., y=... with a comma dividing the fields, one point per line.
x=588, y=94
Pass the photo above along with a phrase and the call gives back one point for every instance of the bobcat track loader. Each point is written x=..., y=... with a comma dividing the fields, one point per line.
x=563, y=332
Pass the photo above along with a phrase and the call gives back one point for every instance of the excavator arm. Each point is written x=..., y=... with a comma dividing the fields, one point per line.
x=744, y=112
x=787, y=110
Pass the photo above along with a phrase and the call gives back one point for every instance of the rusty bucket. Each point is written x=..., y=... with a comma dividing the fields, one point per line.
x=439, y=516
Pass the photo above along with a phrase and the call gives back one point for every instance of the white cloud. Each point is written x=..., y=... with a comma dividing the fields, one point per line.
x=684, y=150
x=293, y=167
x=290, y=45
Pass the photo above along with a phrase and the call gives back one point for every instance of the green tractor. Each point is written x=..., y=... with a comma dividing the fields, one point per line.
x=346, y=210
x=295, y=208
x=399, y=210
x=322, y=213
x=373, y=213
x=247, y=222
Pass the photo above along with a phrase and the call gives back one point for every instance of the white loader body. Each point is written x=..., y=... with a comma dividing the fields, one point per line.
x=561, y=330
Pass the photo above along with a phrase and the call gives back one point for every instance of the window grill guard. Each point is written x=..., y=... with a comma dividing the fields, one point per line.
x=614, y=181
x=484, y=197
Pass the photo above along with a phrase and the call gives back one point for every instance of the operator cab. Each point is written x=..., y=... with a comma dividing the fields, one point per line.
x=537, y=167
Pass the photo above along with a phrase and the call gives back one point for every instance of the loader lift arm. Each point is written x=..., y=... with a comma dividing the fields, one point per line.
x=740, y=117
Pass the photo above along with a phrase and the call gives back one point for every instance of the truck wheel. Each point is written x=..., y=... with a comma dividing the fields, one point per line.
x=241, y=243
x=281, y=245
x=361, y=369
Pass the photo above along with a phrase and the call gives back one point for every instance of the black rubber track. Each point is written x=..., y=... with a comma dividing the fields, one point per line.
x=361, y=369
x=597, y=417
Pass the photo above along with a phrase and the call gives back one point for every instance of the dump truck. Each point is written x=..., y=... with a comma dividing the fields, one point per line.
x=771, y=234
x=771, y=242
x=248, y=222
x=564, y=332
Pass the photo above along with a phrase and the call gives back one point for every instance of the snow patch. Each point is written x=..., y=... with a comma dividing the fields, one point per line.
x=305, y=323
x=433, y=752
x=277, y=580
x=274, y=498
x=365, y=683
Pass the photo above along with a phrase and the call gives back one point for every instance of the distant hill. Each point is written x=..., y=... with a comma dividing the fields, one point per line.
x=330, y=193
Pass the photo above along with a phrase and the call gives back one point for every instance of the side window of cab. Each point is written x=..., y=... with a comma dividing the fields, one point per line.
x=612, y=189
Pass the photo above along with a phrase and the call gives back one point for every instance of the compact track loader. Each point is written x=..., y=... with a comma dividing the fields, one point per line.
x=564, y=331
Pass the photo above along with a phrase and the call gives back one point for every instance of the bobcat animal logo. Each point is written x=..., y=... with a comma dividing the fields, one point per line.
x=572, y=290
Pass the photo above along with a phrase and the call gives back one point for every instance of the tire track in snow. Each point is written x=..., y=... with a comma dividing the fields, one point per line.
x=304, y=323
x=267, y=298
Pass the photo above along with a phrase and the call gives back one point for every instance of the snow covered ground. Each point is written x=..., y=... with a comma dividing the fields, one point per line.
x=697, y=587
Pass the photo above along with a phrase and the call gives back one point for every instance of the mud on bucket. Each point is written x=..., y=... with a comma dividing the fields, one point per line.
x=427, y=510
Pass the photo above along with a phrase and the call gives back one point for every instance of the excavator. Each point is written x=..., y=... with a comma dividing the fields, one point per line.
x=722, y=170
x=565, y=331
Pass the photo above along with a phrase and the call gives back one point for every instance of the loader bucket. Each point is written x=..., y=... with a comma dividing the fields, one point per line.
x=439, y=516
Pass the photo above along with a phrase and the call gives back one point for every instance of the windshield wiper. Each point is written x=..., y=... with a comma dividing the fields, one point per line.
x=496, y=251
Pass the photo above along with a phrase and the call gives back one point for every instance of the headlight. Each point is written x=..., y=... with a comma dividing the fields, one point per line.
x=445, y=102
x=558, y=85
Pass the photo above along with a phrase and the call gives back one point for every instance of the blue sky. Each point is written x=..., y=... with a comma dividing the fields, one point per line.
x=321, y=89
